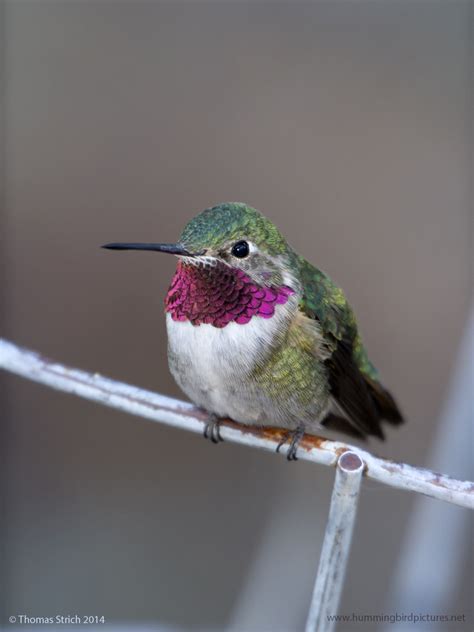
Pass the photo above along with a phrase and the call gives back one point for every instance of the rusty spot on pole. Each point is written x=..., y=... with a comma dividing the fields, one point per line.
x=308, y=442
x=340, y=451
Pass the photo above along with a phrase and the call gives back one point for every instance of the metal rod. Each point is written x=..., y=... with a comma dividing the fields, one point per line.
x=336, y=545
x=179, y=414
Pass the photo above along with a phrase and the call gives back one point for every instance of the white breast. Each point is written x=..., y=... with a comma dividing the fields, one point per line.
x=210, y=364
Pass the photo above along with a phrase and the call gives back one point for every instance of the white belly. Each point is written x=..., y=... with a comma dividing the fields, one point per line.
x=210, y=364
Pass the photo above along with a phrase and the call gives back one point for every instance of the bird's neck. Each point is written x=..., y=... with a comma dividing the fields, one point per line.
x=219, y=294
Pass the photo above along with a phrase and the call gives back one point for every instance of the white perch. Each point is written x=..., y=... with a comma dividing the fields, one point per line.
x=336, y=544
x=183, y=415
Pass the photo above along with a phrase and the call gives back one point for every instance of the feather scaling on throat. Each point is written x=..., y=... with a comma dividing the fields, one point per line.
x=219, y=294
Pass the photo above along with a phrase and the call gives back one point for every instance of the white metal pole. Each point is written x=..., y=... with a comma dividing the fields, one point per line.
x=336, y=544
x=179, y=414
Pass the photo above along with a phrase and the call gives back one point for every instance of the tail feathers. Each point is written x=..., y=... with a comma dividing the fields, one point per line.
x=338, y=423
x=384, y=402
x=382, y=408
x=358, y=397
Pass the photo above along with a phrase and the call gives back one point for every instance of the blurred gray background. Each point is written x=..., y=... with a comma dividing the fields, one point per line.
x=348, y=124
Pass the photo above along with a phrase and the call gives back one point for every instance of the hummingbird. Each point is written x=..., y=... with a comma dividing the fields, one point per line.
x=258, y=334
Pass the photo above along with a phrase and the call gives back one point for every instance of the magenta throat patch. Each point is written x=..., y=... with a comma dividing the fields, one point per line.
x=217, y=295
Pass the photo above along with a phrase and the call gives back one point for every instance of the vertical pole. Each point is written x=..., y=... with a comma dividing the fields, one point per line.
x=337, y=541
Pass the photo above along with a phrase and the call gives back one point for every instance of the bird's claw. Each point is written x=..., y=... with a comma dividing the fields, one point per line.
x=211, y=429
x=294, y=436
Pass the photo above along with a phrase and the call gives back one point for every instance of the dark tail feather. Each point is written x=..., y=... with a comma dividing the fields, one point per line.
x=339, y=424
x=384, y=402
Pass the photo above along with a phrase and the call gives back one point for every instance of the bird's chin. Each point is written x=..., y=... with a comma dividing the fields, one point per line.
x=205, y=261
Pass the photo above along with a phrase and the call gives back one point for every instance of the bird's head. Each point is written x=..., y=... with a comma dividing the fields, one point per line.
x=234, y=264
x=231, y=234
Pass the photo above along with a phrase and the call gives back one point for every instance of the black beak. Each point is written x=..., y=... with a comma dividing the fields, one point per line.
x=174, y=249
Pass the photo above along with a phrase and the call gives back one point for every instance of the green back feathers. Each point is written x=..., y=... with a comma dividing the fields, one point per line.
x=232, y=221
x=353, y=379
x=324, y=301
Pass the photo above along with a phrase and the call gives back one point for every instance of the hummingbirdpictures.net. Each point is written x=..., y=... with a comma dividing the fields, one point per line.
x=258, y=334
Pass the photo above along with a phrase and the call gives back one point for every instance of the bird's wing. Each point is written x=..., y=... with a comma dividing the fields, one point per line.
x=353, y=379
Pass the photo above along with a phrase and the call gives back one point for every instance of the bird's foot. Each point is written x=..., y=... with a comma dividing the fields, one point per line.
x=294, y=436
x=211, y=429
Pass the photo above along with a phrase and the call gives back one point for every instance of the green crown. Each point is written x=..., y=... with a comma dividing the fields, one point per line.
x=232, y=221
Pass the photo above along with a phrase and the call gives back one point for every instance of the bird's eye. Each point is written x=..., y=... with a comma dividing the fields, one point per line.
x=240, y=249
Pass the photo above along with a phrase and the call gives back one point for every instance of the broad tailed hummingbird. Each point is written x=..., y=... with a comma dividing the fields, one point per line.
x=258, y=334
